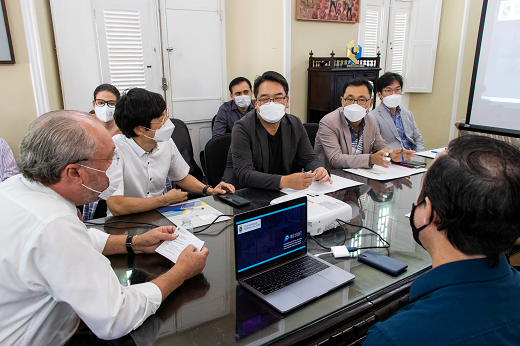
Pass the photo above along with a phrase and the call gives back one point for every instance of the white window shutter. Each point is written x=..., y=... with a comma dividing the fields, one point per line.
x=128, y=43
x=422, y=48
x=372, y=27
x=398, y=32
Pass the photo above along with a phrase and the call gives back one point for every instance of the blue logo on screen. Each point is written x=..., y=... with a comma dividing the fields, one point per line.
x=286, y=238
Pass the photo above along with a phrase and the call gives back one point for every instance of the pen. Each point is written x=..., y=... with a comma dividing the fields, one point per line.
x=182, y=209
x=433, y=151
x=402, y=151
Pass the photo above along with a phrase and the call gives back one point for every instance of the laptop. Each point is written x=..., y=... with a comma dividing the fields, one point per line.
x=271, y=258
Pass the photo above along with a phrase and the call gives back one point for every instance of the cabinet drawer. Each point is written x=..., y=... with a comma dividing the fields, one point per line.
x=367, y=75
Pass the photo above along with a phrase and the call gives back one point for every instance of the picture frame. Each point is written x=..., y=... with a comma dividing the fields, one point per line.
x=6, y=44
x=339, y=11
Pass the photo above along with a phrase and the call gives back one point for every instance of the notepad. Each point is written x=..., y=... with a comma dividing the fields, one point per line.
x=171, y=249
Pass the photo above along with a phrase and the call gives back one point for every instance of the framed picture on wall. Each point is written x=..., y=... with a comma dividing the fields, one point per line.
x=6, y=45
x=341, y=11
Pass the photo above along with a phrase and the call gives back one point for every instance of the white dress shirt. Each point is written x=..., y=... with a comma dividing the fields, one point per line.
x=144, y=174
x=53, y=273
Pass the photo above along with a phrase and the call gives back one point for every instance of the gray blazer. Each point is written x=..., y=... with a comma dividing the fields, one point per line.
x=389, y=131
x=248, y=156
x=334, y=142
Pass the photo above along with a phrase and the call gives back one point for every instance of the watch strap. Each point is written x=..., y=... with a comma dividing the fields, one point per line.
x=205, y=189
x=129, y=244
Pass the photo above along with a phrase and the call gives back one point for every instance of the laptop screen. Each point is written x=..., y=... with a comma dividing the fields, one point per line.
x=270, y=235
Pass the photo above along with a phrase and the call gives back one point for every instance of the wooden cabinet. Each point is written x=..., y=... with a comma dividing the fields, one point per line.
x=326, y=78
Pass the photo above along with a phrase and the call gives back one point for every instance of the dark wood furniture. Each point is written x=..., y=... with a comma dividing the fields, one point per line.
x=326, y=78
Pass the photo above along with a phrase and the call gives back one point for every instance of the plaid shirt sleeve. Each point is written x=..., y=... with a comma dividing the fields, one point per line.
x=8, y=165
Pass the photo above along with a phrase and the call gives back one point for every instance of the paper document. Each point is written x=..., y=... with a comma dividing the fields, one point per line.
x=430, y=153
x=171, y=249
x=338, y=183
x=381, y=173
x=200, y=213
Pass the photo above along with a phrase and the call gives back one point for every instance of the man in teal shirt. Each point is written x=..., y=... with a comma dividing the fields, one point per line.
x=466, y=217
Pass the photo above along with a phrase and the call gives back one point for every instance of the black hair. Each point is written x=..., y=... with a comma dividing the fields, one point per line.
x=387, y=79
x=137, y=107
x=271, y=76
x=358, y=82
x=237, y=81
x=107, y=87
x=475, y=191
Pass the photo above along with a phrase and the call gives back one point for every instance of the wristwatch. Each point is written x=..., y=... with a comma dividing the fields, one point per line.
x=205, y=189
x=129, y=244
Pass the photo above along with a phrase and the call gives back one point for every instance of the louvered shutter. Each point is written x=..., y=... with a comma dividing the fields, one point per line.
x=372, y=27
x=397, y=36
x=422, y=48
x=129, y=53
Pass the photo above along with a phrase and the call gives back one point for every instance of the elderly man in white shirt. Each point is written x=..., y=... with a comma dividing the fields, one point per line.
x=52, y=267
x=149, y=156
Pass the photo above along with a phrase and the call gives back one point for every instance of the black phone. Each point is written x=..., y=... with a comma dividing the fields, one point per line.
x=234, y=200
x=413, y=164
x=384, y=263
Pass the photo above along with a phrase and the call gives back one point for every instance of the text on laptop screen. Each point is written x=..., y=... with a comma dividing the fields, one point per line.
x=270, y=236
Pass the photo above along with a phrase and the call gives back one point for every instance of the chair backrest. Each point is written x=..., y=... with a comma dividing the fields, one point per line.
x=312, y=130
x=216, y=152
x=182, y=139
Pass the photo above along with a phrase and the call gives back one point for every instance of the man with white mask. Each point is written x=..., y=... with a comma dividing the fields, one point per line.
x=233, y=110
x=396, y=124
x=349, y=137
x=149, y=156
x=53, y=271
x=269, y=148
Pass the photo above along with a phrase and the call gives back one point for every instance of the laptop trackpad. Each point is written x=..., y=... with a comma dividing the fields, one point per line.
x=311, y=287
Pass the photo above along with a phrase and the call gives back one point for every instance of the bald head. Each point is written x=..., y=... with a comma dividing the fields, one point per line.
x=57, y=139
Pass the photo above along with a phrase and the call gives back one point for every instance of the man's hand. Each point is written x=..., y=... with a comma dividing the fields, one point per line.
x=379, y=158
x=321, y=175
x=174, y=196
x=149, y=241
x=407, y=154
x=297, y=181
x=221, y=188
x=191, y=262
x=398, y=183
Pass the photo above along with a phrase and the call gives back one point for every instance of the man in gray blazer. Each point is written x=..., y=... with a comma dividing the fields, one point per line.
x=396, y=124
x=269, y=147
x=349, y=137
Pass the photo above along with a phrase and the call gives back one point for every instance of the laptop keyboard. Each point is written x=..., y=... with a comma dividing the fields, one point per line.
x=286, y=275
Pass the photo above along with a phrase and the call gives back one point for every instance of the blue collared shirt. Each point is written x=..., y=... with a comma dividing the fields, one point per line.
x=398, y=121
x=357, y=138
x=458, y=303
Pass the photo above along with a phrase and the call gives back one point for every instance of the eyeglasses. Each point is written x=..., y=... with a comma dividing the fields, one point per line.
x=276, y=99
x=397, y=90
x=360, y=101
x=162, y=120
x=115, y=158
x=101, y=103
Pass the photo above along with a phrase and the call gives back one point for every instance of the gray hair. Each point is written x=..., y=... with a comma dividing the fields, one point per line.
x=53, y=141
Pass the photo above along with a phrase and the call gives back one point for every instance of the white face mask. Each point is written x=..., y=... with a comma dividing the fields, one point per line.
x=272, y=112
x=105, y=113
x=354, y=112
x=243, y=101
x=114, y=174
x=164, y=133
x=392, y=101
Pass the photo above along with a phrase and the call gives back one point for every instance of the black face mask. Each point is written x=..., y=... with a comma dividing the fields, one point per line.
x=416, y=230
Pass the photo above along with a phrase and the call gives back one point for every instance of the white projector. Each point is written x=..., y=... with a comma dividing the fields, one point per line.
x=322, y=211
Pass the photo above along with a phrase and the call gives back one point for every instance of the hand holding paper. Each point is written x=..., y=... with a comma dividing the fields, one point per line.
x=172, y=249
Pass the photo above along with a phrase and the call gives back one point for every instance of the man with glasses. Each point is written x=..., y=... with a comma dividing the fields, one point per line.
x=397, y=125
x=54, y=275
x=149, y=156
x=349, y=137
x=269, y=148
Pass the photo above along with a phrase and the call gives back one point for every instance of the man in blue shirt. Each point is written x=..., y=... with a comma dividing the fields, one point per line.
x=233, y=110
x=466, y=217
